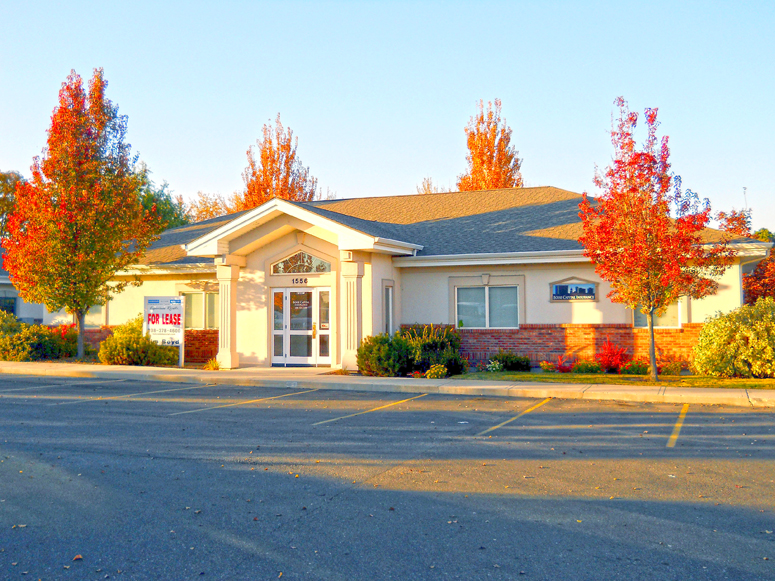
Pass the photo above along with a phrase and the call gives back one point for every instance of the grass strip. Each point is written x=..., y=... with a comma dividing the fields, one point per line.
x=615, y=379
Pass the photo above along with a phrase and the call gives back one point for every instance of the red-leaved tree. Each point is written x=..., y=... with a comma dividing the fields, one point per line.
x=761, y=282
x=79, y=219
x=643, y=233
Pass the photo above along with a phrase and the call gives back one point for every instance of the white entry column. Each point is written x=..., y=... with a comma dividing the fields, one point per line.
x=228, y=275
x=352, y=275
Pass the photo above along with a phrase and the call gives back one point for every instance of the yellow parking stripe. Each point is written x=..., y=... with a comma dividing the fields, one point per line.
x=677, y=429
x=228, y=405
x=100, y=398
x=368, y=411
x=527, y=411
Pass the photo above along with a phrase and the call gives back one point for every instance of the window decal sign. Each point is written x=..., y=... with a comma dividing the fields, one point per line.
x=164, y=322
x=573, y=291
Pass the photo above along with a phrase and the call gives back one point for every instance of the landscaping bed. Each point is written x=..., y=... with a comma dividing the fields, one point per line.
x=616, y=379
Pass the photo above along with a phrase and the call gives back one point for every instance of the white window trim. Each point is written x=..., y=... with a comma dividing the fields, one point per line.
x=103, y=316
x=294, y=253
x=388, y=314
x=204, y=307
x=487, y=305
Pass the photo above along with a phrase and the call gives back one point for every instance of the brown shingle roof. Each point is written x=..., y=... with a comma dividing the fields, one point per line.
x=416, y=208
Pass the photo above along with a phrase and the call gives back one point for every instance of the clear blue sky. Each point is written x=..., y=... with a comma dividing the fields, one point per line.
x=378, y=93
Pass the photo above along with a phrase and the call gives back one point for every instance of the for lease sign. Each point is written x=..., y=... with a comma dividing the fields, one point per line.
x=163, y=321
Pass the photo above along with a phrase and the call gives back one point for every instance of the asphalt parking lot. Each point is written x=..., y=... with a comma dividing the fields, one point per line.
x=150, y=480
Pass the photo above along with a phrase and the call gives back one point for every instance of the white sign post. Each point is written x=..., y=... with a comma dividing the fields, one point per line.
x=164, y=321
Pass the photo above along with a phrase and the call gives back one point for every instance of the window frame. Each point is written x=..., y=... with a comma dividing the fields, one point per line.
x=15, y=304
x=487, y=288
x=183, y=293
x=292, y=254
x=679, y=303
x=103, y=317
x=388, y=311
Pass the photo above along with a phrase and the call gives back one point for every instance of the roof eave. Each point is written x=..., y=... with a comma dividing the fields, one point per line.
x=543, y=257
x=151, y=269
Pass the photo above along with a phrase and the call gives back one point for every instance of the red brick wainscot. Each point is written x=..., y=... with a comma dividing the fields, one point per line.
x=201, y=344
x=547, y=342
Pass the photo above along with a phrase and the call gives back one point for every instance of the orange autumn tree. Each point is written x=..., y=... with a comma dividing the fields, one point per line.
x=492, y=161
x=79, y=219
x=643, y=233
x=205, y=206
x=275, y=171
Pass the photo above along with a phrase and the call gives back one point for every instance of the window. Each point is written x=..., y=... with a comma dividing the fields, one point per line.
x=202, y=311
x=94, y=317
x=670, y=318
x=488, y=307
x=8, y=304
x=388, y=309
x=301, y=262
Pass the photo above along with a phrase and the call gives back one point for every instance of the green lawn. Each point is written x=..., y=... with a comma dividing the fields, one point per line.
x=603, y=378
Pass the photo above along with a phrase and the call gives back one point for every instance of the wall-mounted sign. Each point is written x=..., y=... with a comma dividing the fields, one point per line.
x=164, y=322
x=574, y=291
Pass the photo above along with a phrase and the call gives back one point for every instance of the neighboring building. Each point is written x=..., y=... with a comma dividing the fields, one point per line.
x=292, y=283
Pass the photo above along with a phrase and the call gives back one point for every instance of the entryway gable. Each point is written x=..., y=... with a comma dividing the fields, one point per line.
x=237, y=231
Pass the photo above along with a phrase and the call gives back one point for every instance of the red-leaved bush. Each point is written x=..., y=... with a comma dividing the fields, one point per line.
x=611, y=357
x=564, y=364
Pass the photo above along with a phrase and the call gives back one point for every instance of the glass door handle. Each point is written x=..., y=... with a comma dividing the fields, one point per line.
x=314, y=330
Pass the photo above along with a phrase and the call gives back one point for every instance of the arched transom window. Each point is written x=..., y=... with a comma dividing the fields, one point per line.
x=301, y=262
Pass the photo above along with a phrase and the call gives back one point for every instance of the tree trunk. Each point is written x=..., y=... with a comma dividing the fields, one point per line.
x=652, y=347
x=80, y=320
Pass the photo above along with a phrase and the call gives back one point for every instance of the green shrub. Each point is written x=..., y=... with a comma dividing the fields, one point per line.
x=384, y=356
x=586, y=367
x=671, y=368
x=435, y=345
x=740, y=343
x=436, y=372
x=9, y=324
x=511, y=361
x=22, y=342
x=494, y=366
x=416, y=348
x=634, y=367
x=548, y=366
x=128, y=346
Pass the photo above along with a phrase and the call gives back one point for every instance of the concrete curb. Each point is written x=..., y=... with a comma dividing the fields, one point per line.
x=291, y=379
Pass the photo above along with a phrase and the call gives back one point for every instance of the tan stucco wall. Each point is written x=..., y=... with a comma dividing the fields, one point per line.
x=129, y=303
x=254, y=301
x=382, y=271
x=728, y=297
x=426, y=297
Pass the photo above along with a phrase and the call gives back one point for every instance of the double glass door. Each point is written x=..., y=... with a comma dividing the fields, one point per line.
x=301, y=333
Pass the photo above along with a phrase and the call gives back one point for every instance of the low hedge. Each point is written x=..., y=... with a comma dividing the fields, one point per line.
x=511, y=361
x=128, y=346
x=413, y=349
x=22, y=342
x=384, y=356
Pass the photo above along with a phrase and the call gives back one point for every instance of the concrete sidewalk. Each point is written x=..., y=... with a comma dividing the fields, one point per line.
x=317, y=378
